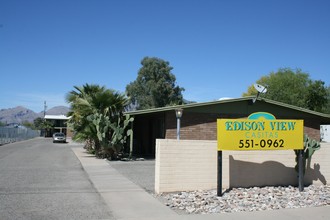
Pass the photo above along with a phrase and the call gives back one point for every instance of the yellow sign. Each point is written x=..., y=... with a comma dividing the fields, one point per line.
x=260, y=131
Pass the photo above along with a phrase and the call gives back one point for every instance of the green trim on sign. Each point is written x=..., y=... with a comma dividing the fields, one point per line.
x=258, y=115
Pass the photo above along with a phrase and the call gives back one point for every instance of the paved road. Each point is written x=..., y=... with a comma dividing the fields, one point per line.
x=42, y=180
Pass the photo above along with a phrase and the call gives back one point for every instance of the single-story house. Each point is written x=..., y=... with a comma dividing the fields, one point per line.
x=198, y=121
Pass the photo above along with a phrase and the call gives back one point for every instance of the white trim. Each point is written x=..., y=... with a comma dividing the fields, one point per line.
x=58, y=117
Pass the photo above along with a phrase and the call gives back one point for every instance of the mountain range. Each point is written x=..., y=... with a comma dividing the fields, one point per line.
x=21, y=114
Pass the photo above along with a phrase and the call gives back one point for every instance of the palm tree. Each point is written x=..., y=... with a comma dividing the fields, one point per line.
x=88, y=104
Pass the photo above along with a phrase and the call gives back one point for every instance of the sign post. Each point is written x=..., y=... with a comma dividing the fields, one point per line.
x=260, y=131
x=219, y=188
x=300, y=171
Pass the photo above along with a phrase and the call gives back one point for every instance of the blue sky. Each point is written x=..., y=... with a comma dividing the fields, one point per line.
x=217, y=48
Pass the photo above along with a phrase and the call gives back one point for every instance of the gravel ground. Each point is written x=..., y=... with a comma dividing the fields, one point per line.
x=247, y=199
x=235, y=200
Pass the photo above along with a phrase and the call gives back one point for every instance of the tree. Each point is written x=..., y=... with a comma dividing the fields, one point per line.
x=93, y=110
x=154, y=86
x=41, y=124
x=38, y=123
x=326, y=108
x=293, y=87
x=29, y=125
x=317, y=96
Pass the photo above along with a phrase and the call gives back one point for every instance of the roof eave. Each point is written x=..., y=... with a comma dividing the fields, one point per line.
x=192, y=105
x=185, y=106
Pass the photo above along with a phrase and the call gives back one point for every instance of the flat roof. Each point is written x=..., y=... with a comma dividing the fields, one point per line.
x=57, y=117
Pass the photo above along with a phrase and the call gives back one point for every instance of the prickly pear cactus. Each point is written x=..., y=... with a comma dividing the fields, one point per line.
x=101, y=123
x=111, y=135
x=310, y=146
x=118, y=136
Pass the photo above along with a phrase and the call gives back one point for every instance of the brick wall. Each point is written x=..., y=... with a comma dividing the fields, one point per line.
x=194, y=126
x=201, y=126
x=192, y=165
x=312, y=128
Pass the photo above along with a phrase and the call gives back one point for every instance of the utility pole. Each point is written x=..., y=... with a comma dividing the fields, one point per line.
x=45, y=107
x=43, y=131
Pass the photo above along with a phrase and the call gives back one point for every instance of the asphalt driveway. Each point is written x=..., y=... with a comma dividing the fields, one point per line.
x=42, y=180
x=141, y=173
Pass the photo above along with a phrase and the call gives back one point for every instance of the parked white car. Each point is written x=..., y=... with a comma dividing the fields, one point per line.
x=59, y=137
